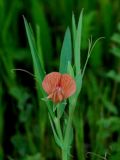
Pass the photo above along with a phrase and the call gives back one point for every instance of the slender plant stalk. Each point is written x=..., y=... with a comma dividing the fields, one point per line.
x=58, y=128
x=64, y=154
x=65, y=150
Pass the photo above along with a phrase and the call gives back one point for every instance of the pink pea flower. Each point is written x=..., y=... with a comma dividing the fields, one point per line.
x=58, y=86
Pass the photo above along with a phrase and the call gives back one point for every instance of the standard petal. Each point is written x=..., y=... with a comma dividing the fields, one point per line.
x=50, y=82
x=68, y=85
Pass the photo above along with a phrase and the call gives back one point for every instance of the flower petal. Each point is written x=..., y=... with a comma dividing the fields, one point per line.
x=50, y=82
x=68, y=85
x=56, y=97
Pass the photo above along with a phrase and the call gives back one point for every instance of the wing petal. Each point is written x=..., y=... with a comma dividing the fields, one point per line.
x=68, y=85
x=50, y=82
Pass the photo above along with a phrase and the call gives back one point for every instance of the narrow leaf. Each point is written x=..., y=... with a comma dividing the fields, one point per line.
x=57, y=140
x=78, y=80
x=36, y=61
x=66, y=52
x=39, y=47
x=73, y=29
x=78, y=44
x=70, y=70
x=60, y=109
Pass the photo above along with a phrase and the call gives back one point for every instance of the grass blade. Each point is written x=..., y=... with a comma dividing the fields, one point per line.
x=36, y=60
x=78, y=44
x=66, y=52
x=73, y=29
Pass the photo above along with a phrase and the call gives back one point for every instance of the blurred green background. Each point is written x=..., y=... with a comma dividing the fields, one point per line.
x=25, y=132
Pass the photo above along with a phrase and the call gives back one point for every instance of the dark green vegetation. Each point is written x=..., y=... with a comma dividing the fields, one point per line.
x=25, y=131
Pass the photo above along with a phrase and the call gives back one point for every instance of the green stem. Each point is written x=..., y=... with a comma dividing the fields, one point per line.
x=66, y=148
x=64, y=155
x=58, y=128
x=68, y=128
x=69, y=123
